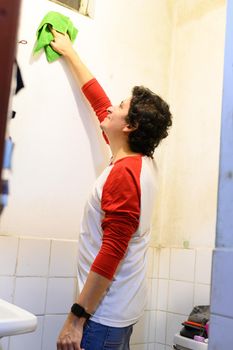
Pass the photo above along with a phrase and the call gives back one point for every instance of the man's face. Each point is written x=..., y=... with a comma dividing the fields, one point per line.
x=115, y=120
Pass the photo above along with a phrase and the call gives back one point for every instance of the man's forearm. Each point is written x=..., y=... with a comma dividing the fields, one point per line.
x=81, y=72
x=93, y=291
x=63, y=45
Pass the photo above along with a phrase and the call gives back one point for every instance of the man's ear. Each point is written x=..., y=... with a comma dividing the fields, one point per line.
x=129, y=128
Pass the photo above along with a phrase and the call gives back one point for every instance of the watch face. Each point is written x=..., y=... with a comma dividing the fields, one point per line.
x=79, y=311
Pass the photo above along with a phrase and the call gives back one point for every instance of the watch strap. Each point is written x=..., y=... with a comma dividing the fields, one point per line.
x=79, y=311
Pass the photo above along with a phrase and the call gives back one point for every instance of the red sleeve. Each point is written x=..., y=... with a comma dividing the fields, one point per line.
x=121, y=204
x=97, y=99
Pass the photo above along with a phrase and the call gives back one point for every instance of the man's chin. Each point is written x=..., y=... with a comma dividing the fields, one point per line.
x=102, y=126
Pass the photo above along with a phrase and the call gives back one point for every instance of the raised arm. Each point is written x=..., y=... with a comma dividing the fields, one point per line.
x=63, y=45
x=84, y=78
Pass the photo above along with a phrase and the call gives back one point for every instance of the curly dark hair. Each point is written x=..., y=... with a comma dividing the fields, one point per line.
x=151, y=115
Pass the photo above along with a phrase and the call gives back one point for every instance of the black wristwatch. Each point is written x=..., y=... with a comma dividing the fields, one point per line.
x=79, y=311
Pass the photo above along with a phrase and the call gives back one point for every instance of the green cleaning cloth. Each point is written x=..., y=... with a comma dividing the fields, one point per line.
x=60, y=23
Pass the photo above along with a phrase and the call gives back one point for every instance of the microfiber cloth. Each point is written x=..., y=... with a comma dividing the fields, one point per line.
x=60, y=23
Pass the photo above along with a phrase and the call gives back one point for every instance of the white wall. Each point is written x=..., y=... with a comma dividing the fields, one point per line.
x=175, y=48
x=189, y=195
x=57, y=154
x=57, y=157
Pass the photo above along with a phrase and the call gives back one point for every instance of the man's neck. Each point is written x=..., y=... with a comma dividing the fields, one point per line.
x=121, y=153
x=120, y=149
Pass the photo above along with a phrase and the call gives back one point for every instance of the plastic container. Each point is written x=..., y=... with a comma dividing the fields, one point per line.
x=183, y=343
x=199, y=338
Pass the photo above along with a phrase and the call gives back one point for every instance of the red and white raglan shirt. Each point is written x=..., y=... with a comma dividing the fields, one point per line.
x=115, y=229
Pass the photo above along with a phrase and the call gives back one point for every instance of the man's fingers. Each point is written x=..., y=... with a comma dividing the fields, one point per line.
x=76, y=346
x=58, y=346
x=53, y=31
x=67, y=344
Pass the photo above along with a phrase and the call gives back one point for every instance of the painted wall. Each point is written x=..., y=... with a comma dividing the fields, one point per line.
x=57, y=154
x=189, y=195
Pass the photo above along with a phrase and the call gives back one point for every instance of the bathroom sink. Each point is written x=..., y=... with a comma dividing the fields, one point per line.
x=14, y=320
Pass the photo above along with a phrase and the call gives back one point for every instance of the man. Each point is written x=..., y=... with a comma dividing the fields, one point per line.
x=115, y=230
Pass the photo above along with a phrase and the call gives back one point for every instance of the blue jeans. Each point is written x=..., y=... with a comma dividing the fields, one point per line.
x=99, y=337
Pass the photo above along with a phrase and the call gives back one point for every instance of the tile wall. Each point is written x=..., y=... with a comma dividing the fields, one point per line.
x=40, y=276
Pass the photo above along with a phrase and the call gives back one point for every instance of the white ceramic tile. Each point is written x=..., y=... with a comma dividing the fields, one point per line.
x=201, y=294
x=164, y=263
x=203, y=266
x=152, y=326
x=159, y=347
x=156, y=346
x=7, y=288
x=52, y=328
x=180, y=297
x=60, y=295
x=151, y=346
x=222, y=286
x=154, y=294
x=4, y=343
x=156, y=263
x=221, y=335
x=174, y=325
x=33, y=257
x=8, y=255
x=150, y=260
x=149, y=287
x=182, y=264
x=63, y=261
x=30, y=294
x=140, y=330
x=162, y=294
x=29, y=340
x=161, y=323
x=139, y=347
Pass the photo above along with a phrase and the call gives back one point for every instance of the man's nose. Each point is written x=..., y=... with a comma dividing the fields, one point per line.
x=110, y=109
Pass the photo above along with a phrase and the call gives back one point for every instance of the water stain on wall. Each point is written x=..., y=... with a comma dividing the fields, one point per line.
x=194, y=9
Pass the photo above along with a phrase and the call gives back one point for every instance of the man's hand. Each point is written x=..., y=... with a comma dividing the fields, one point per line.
x=61, y=43
x=71, y=334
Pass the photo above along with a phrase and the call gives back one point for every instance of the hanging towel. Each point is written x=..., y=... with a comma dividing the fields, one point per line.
x=60, y=23
x=19, y=79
